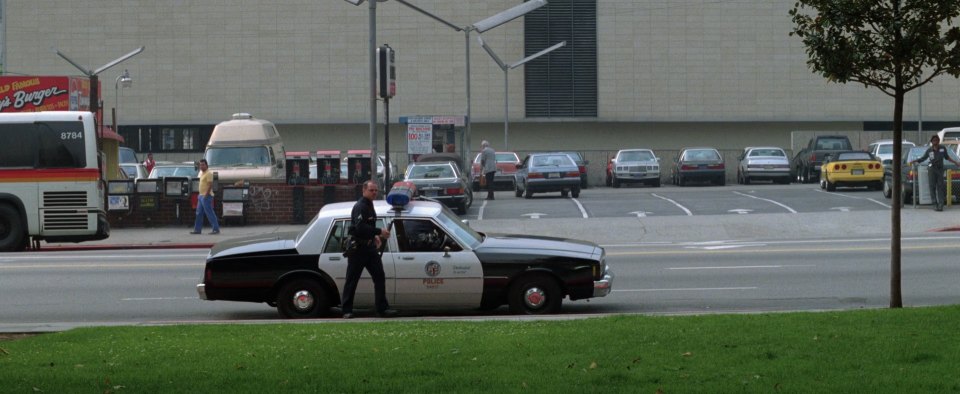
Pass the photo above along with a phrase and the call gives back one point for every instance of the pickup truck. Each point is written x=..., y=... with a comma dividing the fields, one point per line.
x=806, y=163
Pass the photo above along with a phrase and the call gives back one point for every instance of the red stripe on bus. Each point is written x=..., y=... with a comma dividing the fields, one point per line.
x=50, y=175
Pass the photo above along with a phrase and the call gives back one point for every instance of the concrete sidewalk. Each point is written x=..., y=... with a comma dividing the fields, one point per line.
x=604, y=231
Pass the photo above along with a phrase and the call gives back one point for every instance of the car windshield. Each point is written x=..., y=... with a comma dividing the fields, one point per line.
x=833, y=144
x=575, y=156
x=431, y=172
x=636, y=155
x=131, y=171
x=701, y=154
x=460, y=229
x=552, y=161
x=846, y=156
x=185, y=171
x=237, y=156
x=127, y=155
x=502, y=157
x=888, y=148
x=767, y=153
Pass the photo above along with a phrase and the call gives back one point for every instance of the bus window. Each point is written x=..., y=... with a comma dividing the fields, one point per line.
x=19, y=145
x=61, y=145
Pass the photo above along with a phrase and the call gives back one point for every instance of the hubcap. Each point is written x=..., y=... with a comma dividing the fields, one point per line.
x=303, y=300
x=535, y=297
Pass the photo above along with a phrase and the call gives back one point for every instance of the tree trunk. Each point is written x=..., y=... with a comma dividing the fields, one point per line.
x=896, y=298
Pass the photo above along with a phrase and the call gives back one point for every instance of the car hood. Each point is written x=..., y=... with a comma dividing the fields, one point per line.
x=497, y=246
x=254, y=245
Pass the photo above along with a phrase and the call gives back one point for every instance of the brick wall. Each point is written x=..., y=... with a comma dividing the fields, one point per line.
x=269, y=203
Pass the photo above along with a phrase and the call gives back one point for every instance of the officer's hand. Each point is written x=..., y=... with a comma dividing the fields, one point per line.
x=377, y=242
x=385, y=233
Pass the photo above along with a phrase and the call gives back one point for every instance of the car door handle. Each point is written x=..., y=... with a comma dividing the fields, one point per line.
x=407, y=258
x=334, y=258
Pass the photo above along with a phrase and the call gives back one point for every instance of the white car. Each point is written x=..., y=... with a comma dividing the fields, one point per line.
x=883, y=149
x=635, y=166
x=763, y=163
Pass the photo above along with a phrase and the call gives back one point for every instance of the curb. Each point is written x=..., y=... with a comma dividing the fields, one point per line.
x=123, y=247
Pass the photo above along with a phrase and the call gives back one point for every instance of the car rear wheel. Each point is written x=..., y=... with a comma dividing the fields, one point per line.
x=303, y=299
x=831, y=187
x=535, y=295
x=12, y=234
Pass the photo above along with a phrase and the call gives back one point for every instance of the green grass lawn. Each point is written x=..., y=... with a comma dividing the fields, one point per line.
x=894, y=351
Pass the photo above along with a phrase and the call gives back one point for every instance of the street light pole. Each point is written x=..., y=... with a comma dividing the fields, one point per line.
x=506, y=69
x=127, y=82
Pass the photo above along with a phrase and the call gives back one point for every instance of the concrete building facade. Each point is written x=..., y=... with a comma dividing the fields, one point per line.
x=670, y=73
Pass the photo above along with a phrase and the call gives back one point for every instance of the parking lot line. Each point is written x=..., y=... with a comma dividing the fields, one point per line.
x=582, y=210
x=480, y=214
x=767, y=200
x=674, y=203
x=853, y=197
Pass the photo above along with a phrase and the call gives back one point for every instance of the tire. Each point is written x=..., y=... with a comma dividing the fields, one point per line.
x=831, y=187
x=12, y=232
x=303, y=299
x=822, y=185
x=575, y=192
x=535, y=295
x=887, y=193
x=616, y=182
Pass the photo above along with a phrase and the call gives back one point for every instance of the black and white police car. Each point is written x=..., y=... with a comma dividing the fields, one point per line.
x=432, y=260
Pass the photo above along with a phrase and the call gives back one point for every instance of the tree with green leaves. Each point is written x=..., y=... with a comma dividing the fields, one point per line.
x=893, y=45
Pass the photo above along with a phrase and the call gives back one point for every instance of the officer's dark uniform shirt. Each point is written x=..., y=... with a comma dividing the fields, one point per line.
x=363, y=218
x=938, y=155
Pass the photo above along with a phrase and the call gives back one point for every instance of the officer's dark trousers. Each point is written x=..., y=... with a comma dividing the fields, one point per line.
x=490, y=177
x=369, y=258
x=938, y=187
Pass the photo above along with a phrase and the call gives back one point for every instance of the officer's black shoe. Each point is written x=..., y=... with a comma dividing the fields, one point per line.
x=388, y=313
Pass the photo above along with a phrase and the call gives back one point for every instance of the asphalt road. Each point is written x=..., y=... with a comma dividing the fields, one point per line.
x=668, y=200
x=52, y=290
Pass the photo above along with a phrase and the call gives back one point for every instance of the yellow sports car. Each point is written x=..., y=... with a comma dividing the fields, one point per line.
x=851, y=168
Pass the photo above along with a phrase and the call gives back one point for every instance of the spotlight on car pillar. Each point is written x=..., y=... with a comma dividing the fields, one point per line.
x=401, y=194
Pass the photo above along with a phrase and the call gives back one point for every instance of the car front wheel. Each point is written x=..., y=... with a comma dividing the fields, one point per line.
x=535, y=295
x=302, y=299
x=887, y=192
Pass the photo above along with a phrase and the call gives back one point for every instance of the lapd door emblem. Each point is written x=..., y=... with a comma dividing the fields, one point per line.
x=432, y=268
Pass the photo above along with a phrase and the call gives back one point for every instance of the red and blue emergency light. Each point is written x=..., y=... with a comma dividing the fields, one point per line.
x=401, y=194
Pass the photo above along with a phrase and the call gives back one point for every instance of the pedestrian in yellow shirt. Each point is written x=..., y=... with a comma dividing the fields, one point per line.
x=205, y=201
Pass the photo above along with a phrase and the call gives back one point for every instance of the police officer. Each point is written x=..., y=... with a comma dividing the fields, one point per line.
x=363, y=220
x=937, y=153
x=488, y=162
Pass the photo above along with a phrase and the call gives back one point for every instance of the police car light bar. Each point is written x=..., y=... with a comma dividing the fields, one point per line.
x=401, y=194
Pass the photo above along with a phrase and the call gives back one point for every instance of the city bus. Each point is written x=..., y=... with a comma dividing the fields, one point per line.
x=51, y=180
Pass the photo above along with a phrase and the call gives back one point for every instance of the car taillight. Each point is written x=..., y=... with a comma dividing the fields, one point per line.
x=843, y=166
x=454, y=191
x=688, y=167
x=836, y=167
x=716, y=166
x=535, y=175
x=583, y=169
x=910, y=175
x=573, y=174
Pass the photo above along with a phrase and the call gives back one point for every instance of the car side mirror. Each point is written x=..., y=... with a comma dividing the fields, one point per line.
x=446, y=251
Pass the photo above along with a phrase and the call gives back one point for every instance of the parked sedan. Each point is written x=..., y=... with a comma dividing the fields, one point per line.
x=432, y=260
x=635, y=166
x=180, y=170
x=908, y=173
x=763, y=163
x=134, y=171
x=442, y=182
x=852, y=169
x=547, y=172
x=581, y=165
x=698, y=164
x=506, y=169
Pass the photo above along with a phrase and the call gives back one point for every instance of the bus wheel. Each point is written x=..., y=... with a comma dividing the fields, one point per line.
x=11, y=230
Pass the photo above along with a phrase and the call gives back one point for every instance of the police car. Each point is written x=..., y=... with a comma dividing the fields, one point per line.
x=432, y=260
